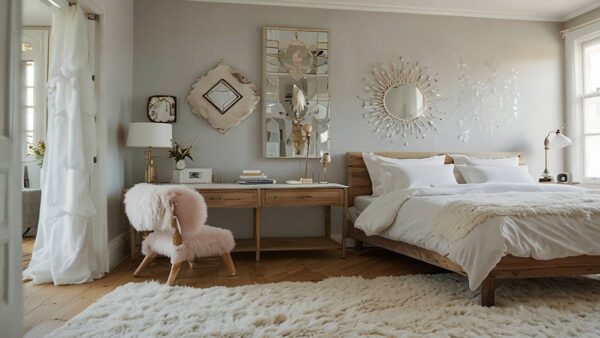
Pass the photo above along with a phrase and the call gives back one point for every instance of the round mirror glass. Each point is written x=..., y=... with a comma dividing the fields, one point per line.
x=404, y=101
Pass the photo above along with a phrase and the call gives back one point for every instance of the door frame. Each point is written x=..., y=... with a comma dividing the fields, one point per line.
x=11, y=307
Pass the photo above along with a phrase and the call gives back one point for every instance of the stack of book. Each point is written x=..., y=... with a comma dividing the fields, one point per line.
x=254, y=177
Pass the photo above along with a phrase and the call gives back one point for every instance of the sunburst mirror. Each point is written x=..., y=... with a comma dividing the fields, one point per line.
x=402, y=101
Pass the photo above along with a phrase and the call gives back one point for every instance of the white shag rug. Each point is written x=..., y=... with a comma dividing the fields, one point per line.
x=416, y=305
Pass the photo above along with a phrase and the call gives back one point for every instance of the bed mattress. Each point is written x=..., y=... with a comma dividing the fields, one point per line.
x=541, y=237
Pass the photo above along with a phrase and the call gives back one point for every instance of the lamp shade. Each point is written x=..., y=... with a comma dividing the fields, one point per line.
x=559, y=141
x=149, y=134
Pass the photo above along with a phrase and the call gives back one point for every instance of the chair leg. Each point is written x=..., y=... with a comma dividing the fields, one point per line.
x=144, y=265
x=174, y=272
x=229, y=264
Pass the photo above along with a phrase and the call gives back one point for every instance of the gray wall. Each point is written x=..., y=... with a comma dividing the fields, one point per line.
x=175, y=42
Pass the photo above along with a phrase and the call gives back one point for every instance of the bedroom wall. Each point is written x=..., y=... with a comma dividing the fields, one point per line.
x=583, y=18
x=175, y=42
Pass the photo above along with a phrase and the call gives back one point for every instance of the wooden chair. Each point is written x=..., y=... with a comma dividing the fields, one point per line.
x=186, y=237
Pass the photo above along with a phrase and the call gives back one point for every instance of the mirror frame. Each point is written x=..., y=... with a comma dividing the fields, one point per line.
x=402, y=73
x=264, y=89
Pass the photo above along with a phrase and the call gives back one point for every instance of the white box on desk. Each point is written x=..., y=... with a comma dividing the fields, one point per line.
x=190, y=175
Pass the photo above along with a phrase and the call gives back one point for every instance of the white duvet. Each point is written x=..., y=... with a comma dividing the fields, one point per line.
x=408, y=216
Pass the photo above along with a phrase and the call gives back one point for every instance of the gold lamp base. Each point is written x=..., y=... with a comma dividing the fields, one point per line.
x=149, y=169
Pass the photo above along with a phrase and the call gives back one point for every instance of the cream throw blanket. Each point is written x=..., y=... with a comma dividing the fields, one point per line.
x=459, y=217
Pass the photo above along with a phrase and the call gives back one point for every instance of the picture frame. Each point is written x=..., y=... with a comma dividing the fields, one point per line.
x=224, y=97
x=162, y=108
x=193, y=176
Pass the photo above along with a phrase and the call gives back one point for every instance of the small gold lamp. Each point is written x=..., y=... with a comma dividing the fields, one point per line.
x=149, y=135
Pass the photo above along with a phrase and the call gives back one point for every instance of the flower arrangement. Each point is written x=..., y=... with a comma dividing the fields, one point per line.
x=181, y=151
x=38, y=150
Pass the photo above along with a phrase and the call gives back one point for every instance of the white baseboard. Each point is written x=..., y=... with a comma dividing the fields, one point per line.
x=118, y=250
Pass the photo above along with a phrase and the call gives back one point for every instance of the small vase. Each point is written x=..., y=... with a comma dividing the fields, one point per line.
x=180, y=165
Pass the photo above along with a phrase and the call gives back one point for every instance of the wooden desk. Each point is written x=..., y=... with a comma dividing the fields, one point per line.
x=272, y=196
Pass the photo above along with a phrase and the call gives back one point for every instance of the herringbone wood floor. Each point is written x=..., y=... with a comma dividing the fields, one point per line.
x=47, y=306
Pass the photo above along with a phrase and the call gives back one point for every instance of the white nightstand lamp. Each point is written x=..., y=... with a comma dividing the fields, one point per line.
x=559, y=141
x=149, y=135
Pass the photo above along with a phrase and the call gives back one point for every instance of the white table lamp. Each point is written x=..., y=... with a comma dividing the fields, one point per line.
x=149, y=135
x=559, y=141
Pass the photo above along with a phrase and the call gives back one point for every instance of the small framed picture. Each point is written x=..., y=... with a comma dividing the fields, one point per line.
x=162, y=108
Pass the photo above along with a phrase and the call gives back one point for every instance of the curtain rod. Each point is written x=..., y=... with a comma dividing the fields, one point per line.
x=568, y=30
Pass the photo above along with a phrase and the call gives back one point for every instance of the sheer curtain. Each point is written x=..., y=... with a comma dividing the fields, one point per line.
x=63, y=252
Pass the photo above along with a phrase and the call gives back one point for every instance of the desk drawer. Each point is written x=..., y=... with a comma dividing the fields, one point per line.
x=300, y=197
x=231, y=198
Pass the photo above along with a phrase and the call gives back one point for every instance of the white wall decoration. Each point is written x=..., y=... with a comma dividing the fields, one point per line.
x=489, y=103
x=224, y=97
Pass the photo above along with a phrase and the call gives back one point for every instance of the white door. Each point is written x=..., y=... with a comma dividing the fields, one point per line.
x=10, y=171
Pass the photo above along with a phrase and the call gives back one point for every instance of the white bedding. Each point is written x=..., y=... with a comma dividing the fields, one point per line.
x=541, y=237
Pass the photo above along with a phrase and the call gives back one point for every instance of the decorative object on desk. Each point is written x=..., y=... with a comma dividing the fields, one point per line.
x=295, y=91
x=180, y=152
x=558, y=141
x=193, y=176
x=402, y=101
x=252, y=176
x=149, y=135
x=307, y=130
x=563, y=178
x=325, y=162
x=162, y=108
x=224, y=97
x=38, y=150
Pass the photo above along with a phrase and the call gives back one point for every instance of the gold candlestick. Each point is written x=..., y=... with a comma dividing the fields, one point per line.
x=325, y=160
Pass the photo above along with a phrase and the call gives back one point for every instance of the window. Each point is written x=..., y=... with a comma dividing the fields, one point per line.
x=590, y=102
x=582, y=56
x=29, y=107
x=34, y=60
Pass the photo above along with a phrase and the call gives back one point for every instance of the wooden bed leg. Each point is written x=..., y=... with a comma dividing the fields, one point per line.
x=359, y=245
x=488, y=292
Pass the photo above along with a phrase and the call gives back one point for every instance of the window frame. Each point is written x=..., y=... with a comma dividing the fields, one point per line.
x=39, y=37
x=575, y=40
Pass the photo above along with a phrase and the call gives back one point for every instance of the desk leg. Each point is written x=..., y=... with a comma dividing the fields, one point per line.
x=132, y=242
x=328, y=221
x=345, y=223
x=257, y=232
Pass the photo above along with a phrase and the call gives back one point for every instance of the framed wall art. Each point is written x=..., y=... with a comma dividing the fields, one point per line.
x=162, y=108
x=224, y=97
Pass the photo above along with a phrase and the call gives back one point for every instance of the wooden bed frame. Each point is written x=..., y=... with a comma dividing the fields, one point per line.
x=359, y=183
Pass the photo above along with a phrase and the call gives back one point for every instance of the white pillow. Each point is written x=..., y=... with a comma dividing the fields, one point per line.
x=414, y=176
x=481, y=174
x=373, y=163
x=486, y=162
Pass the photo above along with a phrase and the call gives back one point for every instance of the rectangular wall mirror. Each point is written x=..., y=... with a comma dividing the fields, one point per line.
x=296, y=110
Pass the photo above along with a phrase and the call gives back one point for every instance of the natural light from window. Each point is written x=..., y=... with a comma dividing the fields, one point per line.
x=28, y=116
x=591, y=108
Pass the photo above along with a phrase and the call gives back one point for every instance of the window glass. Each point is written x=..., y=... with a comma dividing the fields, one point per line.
x=591, y=66
x=592, y=160
x=591, y=115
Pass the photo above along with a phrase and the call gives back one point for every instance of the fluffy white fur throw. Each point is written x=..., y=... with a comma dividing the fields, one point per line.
x=459, y=217
x=150, y=208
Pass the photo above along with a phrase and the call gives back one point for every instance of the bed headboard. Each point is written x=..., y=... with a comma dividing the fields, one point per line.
x=359, y=182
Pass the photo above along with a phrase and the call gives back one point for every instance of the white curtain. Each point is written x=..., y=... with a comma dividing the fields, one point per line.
x=64, y=250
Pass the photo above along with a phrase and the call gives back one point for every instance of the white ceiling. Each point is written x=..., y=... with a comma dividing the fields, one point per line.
x=538, y=10
x=36, y=13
